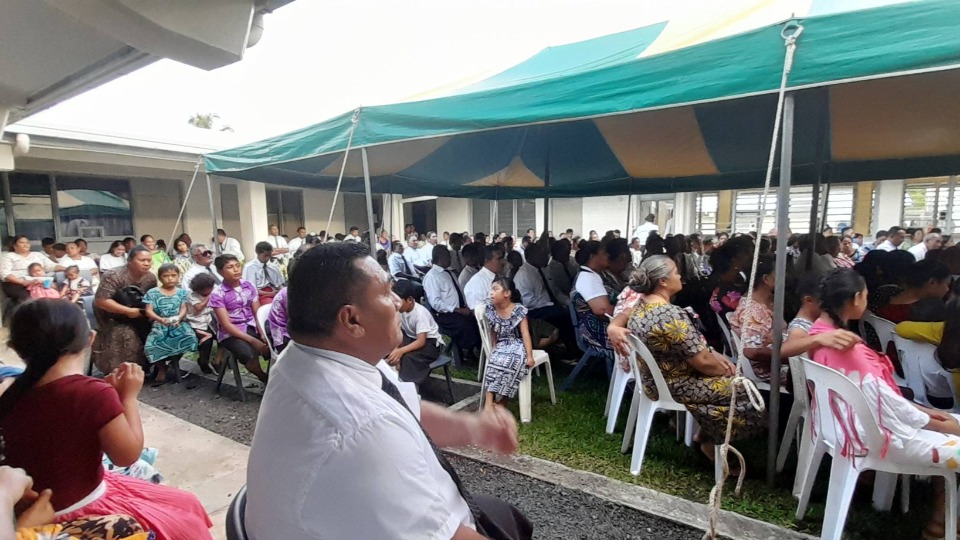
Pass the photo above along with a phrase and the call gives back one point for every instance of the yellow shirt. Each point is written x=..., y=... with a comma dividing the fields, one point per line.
x=927, y=332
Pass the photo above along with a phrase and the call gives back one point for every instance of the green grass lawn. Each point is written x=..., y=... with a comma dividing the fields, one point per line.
x=572, y=433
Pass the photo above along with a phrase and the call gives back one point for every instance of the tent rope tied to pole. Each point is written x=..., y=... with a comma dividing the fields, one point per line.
x=346, y=154
x=790, y=33
x=196, y=170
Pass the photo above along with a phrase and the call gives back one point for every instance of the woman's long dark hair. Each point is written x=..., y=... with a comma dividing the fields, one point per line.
x=41, y=331
x=837, y=287
x=949, y=349
x=587, y=249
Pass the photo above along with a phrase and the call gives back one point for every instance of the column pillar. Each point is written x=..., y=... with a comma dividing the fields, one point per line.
x=252, y=197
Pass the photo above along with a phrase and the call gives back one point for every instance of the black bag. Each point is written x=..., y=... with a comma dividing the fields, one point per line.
x=129, y=296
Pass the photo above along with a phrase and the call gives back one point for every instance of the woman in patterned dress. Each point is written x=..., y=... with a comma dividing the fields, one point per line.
x=593, y=299
x=121, y=330
x=698, y=377
x=511, y=353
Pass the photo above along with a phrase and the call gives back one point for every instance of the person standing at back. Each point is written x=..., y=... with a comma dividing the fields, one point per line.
x=644, y=230
x=340, y=451
x=228, y=246
x=280, y=247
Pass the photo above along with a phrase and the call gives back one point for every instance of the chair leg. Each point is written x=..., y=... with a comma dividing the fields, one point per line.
x=446, y=375
x=788, y=435
x=238, y=379
x=810, y=475
x=717, y=464
x=175, y=366
x=641, y=436
x=843, y=481
x=950, y=489
x=576, y=371
x=804, y=453
x=905, y=494
x=884, y=488
x=631, y=423
x=525, y=407
x=222, y=369
x=549, y=369
x=615, y=398
x=606, y=408
x=690, y=429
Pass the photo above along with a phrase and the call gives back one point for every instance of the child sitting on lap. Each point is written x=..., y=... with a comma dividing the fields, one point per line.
x=41, y=286
x=76, y=286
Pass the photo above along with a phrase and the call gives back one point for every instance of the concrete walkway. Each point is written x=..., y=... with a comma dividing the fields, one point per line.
x=212, y=467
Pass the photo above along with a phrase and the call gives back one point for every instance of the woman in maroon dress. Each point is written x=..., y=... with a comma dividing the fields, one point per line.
x=57, y=423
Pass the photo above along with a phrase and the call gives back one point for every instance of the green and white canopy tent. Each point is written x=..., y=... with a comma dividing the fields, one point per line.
x=616, y=115
x=665, y=108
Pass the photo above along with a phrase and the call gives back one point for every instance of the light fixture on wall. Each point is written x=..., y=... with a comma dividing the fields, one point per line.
x=21, y=144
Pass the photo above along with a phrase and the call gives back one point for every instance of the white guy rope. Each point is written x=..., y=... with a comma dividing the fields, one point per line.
x=343, y=167
x=791, y=32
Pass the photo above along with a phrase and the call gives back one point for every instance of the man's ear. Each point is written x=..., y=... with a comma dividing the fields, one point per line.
x=349, y=318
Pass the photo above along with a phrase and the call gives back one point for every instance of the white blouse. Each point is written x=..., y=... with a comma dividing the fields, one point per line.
x=17, y=265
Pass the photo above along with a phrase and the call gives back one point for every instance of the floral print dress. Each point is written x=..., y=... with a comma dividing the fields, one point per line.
x=507, y=364
x=673, y=339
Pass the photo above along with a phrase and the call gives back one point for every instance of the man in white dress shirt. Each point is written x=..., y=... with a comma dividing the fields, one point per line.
x=295, y=244
x=281, y=250
x=426, y=252
x=264, y=274
x=536, y=293
x=202, y=262
x=400, y=267
x=448, y=301
x=477, y=290
x=354, y=235
x=227, y=245
x=895, y=237
x=931, y=242
x=472, y=259
x=339, y=452
x=414, y=256
x=644, y=230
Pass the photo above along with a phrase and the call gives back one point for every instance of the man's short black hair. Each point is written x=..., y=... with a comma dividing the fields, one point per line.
x=893, y=230
x=144, y=238
x=223, y=260
x=438, y=252
x=325, y=279
x=301, y=229
x=263, y=247
x=129, y=239
x=404, y=288
x=47, y=242
x=63, y=247
x=490, y=249
x=354, y=228
x=221, y=231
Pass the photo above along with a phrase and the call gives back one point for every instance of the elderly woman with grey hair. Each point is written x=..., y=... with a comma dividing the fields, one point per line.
x=697, y=376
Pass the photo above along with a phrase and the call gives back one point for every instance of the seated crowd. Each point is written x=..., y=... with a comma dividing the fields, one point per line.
x=365, y=331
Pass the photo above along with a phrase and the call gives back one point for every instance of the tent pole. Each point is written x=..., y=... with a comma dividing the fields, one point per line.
x=366, y=187
x=627, y=232
x=213, y=217
x=783, y=215
x=821, y=150
x=952, y=183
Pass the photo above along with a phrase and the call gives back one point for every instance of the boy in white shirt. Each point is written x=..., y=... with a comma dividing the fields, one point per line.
x=422, y=343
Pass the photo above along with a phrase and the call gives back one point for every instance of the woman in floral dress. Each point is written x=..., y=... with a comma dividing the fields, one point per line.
x=697, y=376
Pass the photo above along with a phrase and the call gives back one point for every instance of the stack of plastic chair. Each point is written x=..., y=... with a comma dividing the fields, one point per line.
x=799, y=413
x=539, y=357
x=643, y=408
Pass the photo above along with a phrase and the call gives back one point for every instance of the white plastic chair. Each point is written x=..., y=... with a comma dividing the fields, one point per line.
x=539, y=357
x=886, y=331
x=263, y=315
x=643, y=408
x=830, y=385
x=923, y=370
x=618, y=386
x=799, y=412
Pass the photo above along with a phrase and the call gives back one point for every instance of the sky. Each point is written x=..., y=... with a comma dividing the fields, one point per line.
x=320, y=58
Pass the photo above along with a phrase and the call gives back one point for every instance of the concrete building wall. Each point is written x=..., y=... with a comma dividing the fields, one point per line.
x=155, y=207
x=889, y=205
x=603, y=214
x=453, y=215
x=316, y=210
x=567, y=214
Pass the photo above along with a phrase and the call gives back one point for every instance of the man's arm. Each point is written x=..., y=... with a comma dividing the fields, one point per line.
x=452, y=429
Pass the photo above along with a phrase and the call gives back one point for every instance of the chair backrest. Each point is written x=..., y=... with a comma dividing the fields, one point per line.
x=480, y=312
x=663, y=391
x=832, y=388
x=798, y=375
x=236, y=515
x=727, y=341
x=919, y=361
x=576, y=327
x=263, y=314
x=885, y=329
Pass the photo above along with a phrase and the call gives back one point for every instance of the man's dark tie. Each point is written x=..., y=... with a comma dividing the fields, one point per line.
x=456, y=286
x=392, y=391
x=546, y=285
x=567, y=272
x=266, y=275
x=217, y=279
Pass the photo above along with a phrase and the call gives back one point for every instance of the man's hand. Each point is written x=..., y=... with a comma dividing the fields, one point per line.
x=496, y=431
x=394, y=357
x=463, y=311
